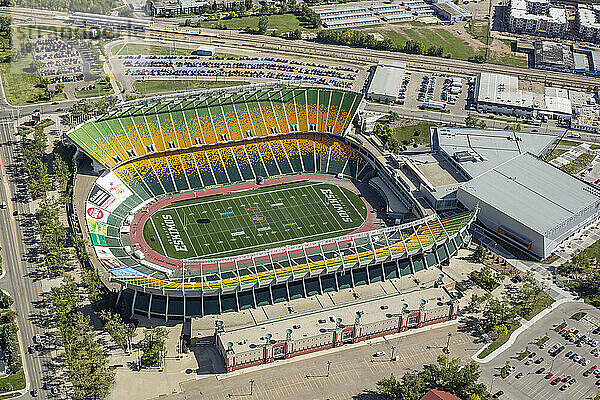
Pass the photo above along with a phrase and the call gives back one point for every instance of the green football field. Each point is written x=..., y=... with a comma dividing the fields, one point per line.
x=254, y=220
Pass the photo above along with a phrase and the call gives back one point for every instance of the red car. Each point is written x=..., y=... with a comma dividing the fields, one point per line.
x=550, y=375
x=594, y=367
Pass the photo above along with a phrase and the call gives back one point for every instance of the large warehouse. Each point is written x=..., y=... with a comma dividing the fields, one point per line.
x=528, y=202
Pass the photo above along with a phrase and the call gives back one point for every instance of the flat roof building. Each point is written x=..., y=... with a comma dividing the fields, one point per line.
x=501, y=94
x=522, y=199
x=553, y=56
x=451, y=12
x=386, y=81
x=531, y=204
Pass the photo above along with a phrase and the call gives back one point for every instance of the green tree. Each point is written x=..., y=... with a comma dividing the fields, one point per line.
x=154, y=346
x=121, y=332
x=263, y=23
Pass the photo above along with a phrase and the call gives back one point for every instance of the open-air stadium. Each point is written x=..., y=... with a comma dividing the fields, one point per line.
x=219, y=201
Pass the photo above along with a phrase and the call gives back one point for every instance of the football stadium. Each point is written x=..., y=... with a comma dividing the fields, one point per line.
x=219, y=201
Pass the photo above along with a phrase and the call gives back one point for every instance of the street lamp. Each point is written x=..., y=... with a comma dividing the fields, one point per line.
x=251, y=381
x=328, y=366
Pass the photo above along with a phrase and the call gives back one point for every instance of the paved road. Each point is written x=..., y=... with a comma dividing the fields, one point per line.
x=23, y=273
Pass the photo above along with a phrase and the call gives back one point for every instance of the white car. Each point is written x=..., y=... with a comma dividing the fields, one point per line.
x=379, y=354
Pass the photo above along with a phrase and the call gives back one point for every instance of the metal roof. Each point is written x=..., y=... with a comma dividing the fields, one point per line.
x=387, y=79
x=533, y=192
x=489, y=147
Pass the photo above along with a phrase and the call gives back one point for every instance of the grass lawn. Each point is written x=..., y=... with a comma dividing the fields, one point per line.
x=542, y=301
x=406, y=134
x=577, y=316
x=565, y=142
x=281, y=22
x=556, y=153
x=542, y=340
x=16, y=380
x=249, y=221
x=154, y=86
x=500, y=340
x=150, y=49
x=579, y=164
x=560, y=327
x=452, y=44
x=510, y=59
x=100, y=89
x=479, y=29
x=595, y=146
x=21, y=86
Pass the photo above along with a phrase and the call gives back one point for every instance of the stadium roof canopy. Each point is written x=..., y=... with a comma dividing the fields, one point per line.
x=477, y=151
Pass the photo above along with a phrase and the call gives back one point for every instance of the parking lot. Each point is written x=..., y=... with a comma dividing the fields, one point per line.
x=562, y=368
x=419, y=88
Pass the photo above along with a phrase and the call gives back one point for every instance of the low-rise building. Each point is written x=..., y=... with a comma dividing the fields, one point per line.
x=553, y=56
x=448, y=11
x=358, y=321
x=386, y=81
x=501, y=94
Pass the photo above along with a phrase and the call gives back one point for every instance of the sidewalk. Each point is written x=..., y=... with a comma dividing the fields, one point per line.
x=513, y=337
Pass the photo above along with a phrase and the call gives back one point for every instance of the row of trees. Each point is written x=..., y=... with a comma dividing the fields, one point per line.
x=448, y=375
x=486, y=278
x=386, y=134
x=34, y=156
x=474, y=122
x=8, y=336
x=53, y=238
x=87, y=365
x=84, y=110
x=499, y=315
x=363, y=39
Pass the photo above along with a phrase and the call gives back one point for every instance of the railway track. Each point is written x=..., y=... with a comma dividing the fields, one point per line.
x=168, y=31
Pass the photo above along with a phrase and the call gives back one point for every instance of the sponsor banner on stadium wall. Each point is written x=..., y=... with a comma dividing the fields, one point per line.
x=111, y=184
x=98, y=240
x=95, y=213
x=100, y=197
x=103, y=252
x=96, y=227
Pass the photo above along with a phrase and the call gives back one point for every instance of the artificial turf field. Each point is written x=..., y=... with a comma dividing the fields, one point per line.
x=244, y=222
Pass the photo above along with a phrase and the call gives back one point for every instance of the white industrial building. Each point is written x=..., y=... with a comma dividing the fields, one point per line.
x=448, y=11
x=501, y=94
x=386, y=81
x=531, y=204
x=537, y=17
x=522, y=199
